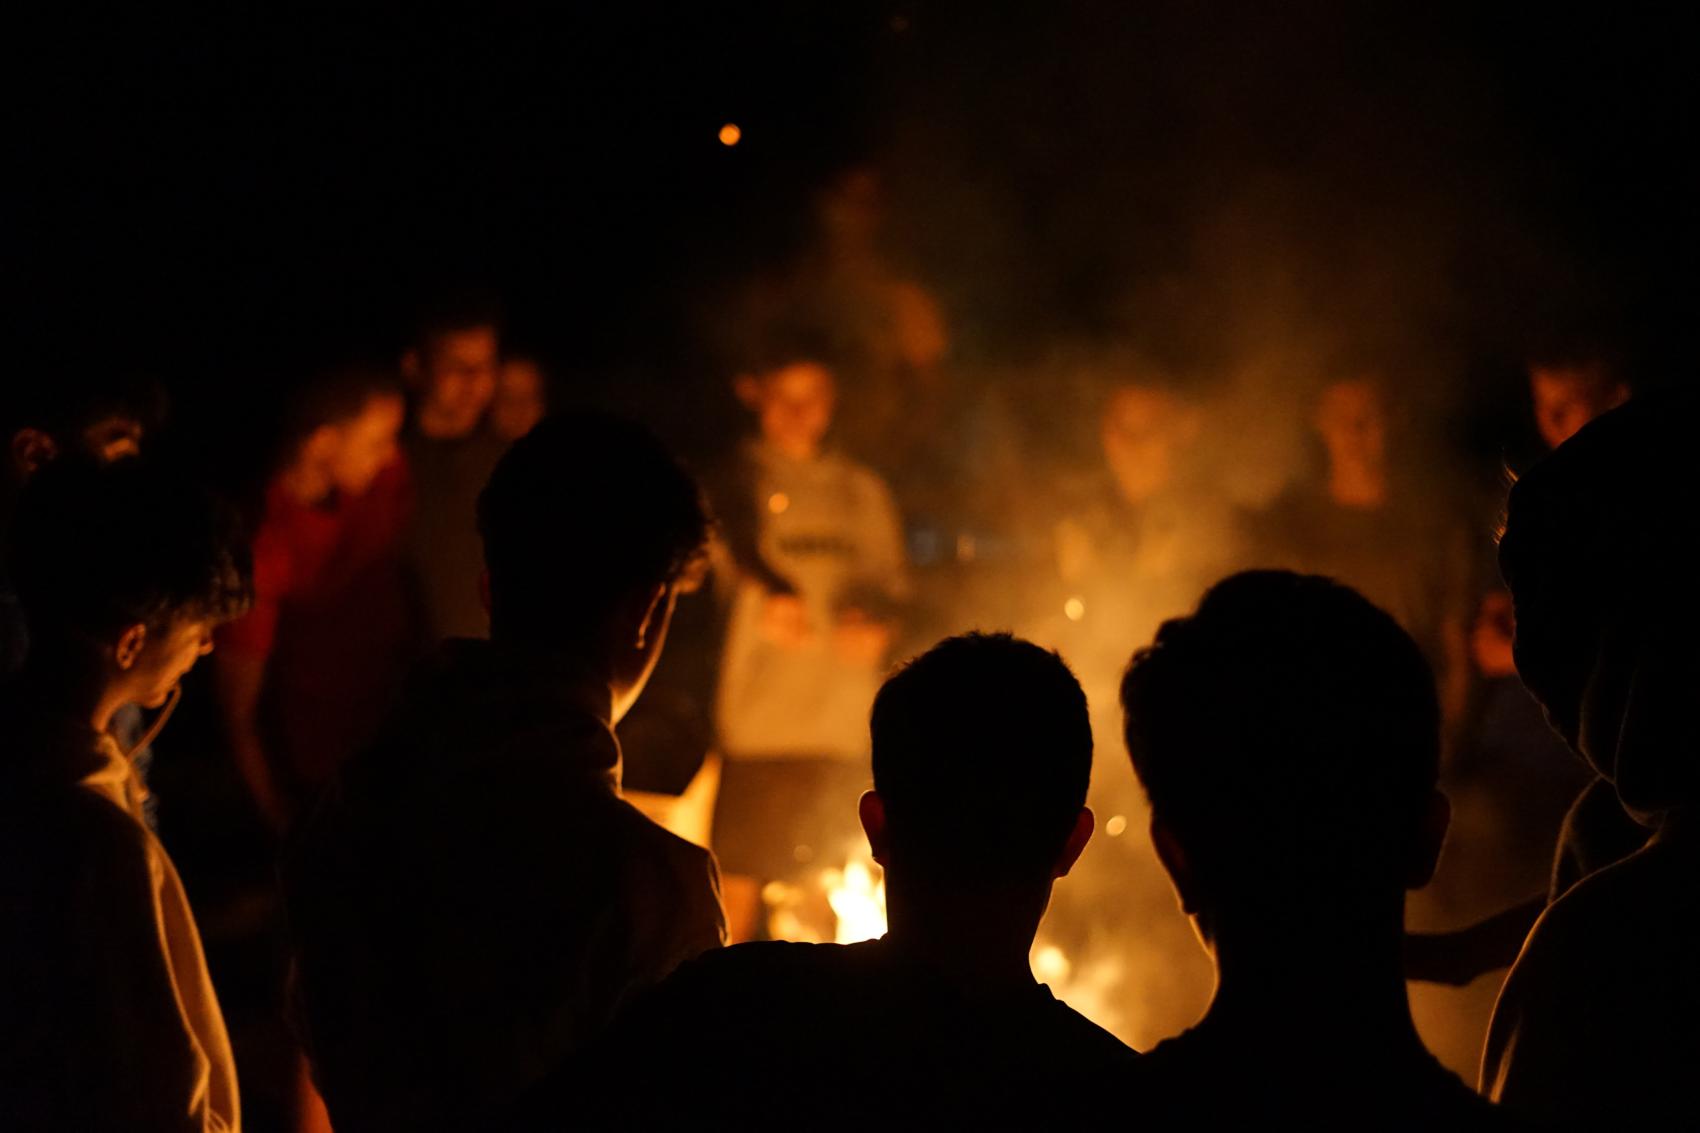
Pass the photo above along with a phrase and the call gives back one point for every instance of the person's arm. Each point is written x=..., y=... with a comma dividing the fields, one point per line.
x=240, y=677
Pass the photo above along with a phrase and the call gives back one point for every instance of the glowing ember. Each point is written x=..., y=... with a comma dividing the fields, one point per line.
x=730, y=134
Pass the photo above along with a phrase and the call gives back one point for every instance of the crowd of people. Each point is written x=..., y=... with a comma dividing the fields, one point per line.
x=430, y=641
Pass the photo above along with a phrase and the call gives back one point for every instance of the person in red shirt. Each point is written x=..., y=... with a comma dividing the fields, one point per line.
x=306, y=676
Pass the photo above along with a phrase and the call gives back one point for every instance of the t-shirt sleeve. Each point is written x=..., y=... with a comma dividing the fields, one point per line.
x=254, y=632
x=884, y=563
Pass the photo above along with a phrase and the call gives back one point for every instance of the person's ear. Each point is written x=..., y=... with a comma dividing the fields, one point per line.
x=654, y=613
x=31, y=448
x=1431, y=836
x=747, y=389
x=129, y=646
x=1175, y=864
x=1084, y=822
x=871, y=809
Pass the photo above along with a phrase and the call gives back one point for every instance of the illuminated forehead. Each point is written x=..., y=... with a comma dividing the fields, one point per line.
x=799, y=381
x=1137, y=408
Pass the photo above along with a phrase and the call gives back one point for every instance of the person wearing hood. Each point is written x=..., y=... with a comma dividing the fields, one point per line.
x=1599, y=1021
x=473, y=900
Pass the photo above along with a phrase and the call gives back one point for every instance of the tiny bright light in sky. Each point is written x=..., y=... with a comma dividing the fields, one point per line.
x=730, y=135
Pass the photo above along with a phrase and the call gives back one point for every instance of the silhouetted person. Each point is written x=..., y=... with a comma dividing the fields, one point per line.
x=981, y=755
x=1599, y=1020
x=307, y=675
x=451, y=367
x=109, y=1017
x=1288, y=736
x=474, y=900
x=41, y=420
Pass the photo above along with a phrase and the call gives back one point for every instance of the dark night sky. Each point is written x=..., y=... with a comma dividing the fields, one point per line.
x=216, y=198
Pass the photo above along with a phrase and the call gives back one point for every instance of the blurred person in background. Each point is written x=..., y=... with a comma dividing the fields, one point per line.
x=451, y=369
x=306, y=675
x=1376, y=527
x=814, y=559
x=1139, y=543
x=474, y=900
x=111, y=1020
x=522, y=398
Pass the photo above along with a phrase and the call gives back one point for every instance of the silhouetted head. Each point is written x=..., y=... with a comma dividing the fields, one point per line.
x=981, y=755
x=1568, y=392
x=1287, y=734
x=1598, y=552
x=127, y=569
x=591, y=529
x=451, y=362
x=98, y=417
x=340, y=428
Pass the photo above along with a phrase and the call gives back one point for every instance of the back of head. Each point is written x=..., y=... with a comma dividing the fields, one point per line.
x=580, y=513
x=96, y=548
x=1287, y=734
x=982, y=751
x=1598, y=553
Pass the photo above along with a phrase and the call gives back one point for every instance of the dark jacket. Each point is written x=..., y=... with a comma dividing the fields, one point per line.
x=474, y=901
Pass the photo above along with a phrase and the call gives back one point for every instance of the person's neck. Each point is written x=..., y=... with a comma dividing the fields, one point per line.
x=576, y=670
x=1360, y=486
x=800, y=453
x=978, y=939
x=1321, y=975
x=437, y=425
x=71, y=688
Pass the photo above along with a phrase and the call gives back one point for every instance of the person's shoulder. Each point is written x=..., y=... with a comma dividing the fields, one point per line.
x=1093, y=1043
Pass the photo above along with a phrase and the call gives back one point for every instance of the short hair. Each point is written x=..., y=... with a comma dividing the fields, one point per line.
x=580, y=512
x=95, y=548
x=1287, y=733
x=982, y=753
x=452, y=310
x=332, y=395
x=62, y=405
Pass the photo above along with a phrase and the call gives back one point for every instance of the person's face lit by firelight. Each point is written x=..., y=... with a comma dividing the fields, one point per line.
x=154, y=663
x=520, y=401
x=794, y=405
x=1568, y=397
x=1351, y=418
x=455, y=373
x=366, y=444
x=1143, y=430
